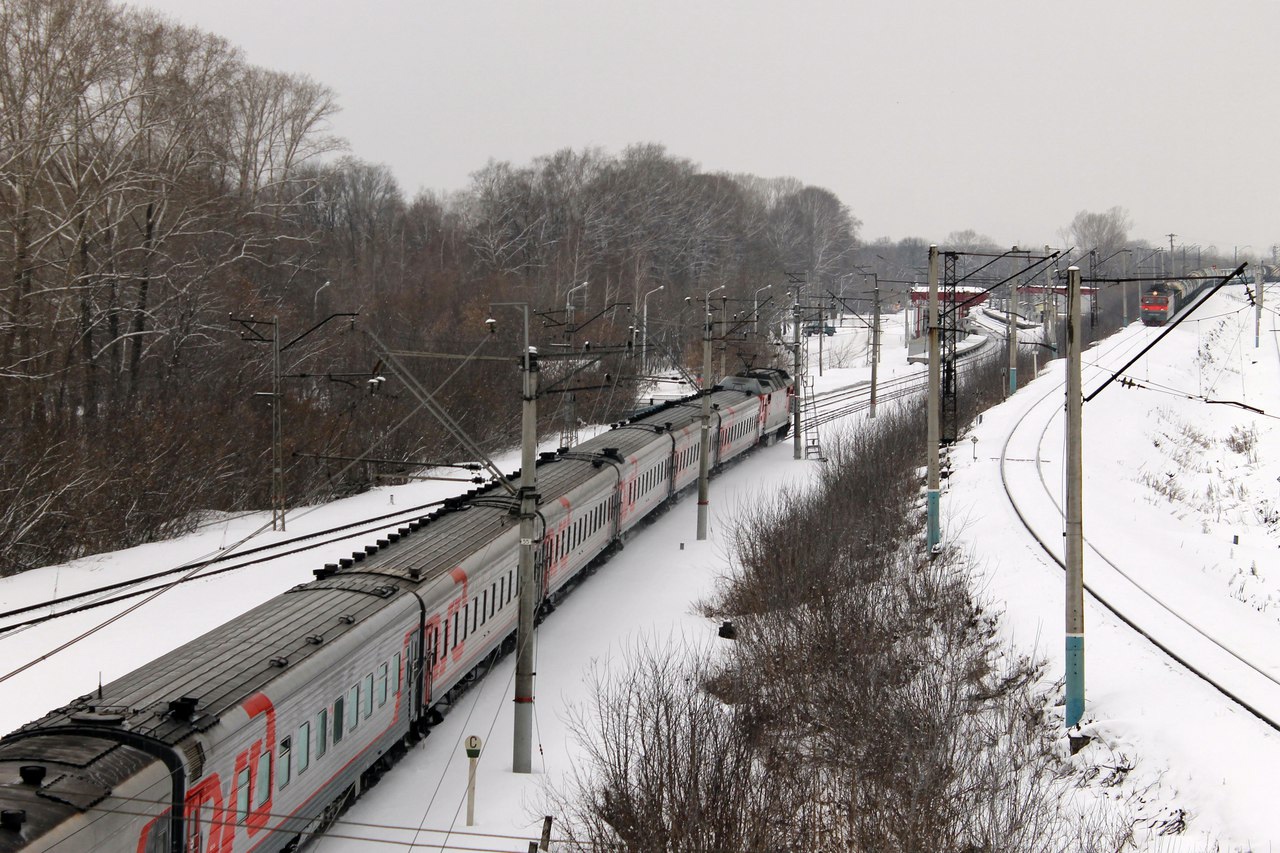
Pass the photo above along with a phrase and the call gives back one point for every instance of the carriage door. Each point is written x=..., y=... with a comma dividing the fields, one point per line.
x=206, y=821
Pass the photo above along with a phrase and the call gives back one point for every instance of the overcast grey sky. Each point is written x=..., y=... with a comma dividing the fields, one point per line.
x=1004, y=116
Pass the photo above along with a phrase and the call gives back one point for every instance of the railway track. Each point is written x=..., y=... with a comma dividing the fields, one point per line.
x=841, y=402
x=1170, y=625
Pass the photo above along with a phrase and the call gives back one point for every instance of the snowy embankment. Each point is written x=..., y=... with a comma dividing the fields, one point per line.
x=1180, y=495
x=1189, y=749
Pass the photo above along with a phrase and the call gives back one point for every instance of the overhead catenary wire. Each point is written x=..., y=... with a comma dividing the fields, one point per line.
x=191, y=572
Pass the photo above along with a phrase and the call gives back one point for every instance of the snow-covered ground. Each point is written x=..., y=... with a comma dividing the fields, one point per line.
x=1166, y=494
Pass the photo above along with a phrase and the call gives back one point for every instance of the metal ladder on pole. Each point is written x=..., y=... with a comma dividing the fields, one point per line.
x=809, y=411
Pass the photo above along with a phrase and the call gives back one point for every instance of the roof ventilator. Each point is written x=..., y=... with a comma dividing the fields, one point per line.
x=32, y=774
x=347, y=619
x=182, y=708
x=13, y=819
x=315, y=639
x=281, y=662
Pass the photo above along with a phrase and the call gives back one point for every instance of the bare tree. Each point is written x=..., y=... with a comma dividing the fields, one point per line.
x=1104, y=232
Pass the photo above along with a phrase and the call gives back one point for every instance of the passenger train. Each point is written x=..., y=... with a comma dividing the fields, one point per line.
x=256, y=735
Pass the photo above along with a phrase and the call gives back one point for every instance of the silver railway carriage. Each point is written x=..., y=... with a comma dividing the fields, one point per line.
x=254, y=736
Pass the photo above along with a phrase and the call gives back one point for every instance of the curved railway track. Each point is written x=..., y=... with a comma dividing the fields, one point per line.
x=1178, y=634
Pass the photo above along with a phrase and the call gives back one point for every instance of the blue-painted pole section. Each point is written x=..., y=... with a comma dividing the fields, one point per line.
x=934, y=535
x=1075, y=678
x=1013, y=381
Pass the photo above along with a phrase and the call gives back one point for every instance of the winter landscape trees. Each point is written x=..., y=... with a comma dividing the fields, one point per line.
x=152, y=183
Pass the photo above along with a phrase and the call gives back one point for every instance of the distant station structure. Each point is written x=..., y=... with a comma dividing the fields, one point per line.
x=966, y=298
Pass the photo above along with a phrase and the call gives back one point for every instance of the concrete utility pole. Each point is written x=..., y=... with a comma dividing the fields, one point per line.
x=797, y=397
x=1013, y=337
x=1124, y=292
x=1074, y=508
x=644, y=335
x=1257, y=303
x=724, y=333
x=704, y=450
x=522, y=745
x=755, y=312
x=875, y=343
x=1050, y=318
x=278, y=503
x=934, y=534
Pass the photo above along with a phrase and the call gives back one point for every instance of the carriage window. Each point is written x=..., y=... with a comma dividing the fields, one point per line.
x=475, y=613
x=382, y=685
x=368, y=696
x=286, y=762
x=484, y=606
x=396, y=682
x=465, y=609
x=304, y=747
x=455, y=631
x=493, y=597
x=502, y=589
x=444, y=649
x=242, y=795
x=322, y=732
x=511, y=587
x=353, y=708
x=262, y=784
x=337, y=721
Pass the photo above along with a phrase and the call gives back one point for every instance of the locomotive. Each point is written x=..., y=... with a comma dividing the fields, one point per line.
x=256, y=735
x=1162, y=300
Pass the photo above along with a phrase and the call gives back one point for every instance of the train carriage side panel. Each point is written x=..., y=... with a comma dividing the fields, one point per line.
x=644, y=482
x=280, y=758
x=684, y=457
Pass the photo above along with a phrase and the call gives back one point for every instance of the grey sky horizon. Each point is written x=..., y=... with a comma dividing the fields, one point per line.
x=924, y=117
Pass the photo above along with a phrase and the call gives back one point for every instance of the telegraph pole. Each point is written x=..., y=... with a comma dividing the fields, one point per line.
x=1074, y=509
x=934, y=409
x=527, y=585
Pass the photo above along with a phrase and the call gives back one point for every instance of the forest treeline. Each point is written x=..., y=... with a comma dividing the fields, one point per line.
x=154, y=186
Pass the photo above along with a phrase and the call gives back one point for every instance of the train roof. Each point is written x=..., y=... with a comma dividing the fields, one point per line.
x=190, y=688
